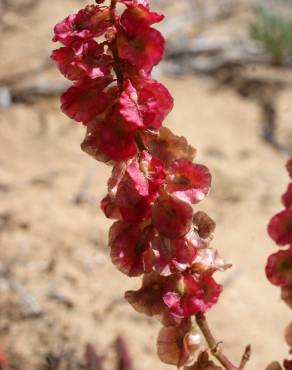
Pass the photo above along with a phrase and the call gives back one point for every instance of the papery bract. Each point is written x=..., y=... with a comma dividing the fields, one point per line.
x=286, y=295
x=191, y=294
x=204, y=225
x=172, y=344
x=110, y=208
x=287, y=197
x=83, y=59
x=288, y=335
x=287, y=364
x=172, y=217
x=167, y=146
x=148, y=299
x=147, y=106
x=90, y=144
x=135, y=2
x=155, y=102
x=139, y=16
x=92, y=21
x=188, y=181
x=289, y=167
x=128, y=245
x=143, y=48
x=115, y=139
x=280, y=227
x=172, y=255
x=137, y=187
x=279, y=268
x=85, y=100
x=128, y=106
x=65, y=59
x=208, y=260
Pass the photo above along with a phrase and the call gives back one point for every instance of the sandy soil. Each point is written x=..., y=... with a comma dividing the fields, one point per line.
x=56, y=250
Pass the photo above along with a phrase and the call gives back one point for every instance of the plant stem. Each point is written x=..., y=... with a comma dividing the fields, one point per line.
x=215, y=347
x=114, y=48
x=116, y=65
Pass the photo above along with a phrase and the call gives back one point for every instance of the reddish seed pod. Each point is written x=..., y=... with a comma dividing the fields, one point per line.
x=108, y=53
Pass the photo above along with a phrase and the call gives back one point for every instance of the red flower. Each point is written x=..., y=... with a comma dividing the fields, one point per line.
x=139, y=16
x=147, y=106
x=129, y=244
x=279, y=268
x=85, y=100
x=188, y=181
x=280, y=227
x=167, y=146
x=87, y=23
x=83, y=59
x=190, y=294
x=287, y=197
x=172, y=217
x=172, y=255
x=143, y=48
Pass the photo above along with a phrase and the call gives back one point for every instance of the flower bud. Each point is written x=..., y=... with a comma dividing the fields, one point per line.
x=192, y=342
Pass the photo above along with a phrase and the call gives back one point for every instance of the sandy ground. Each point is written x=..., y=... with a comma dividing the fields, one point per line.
x=53, y=247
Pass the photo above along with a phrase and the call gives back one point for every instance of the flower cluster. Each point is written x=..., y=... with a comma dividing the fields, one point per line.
x=109, y=52
x=279, y=264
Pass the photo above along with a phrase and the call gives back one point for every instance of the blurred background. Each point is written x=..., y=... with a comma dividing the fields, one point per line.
x=228, y=65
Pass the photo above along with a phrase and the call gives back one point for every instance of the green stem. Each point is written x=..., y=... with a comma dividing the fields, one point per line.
x=215, y=347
